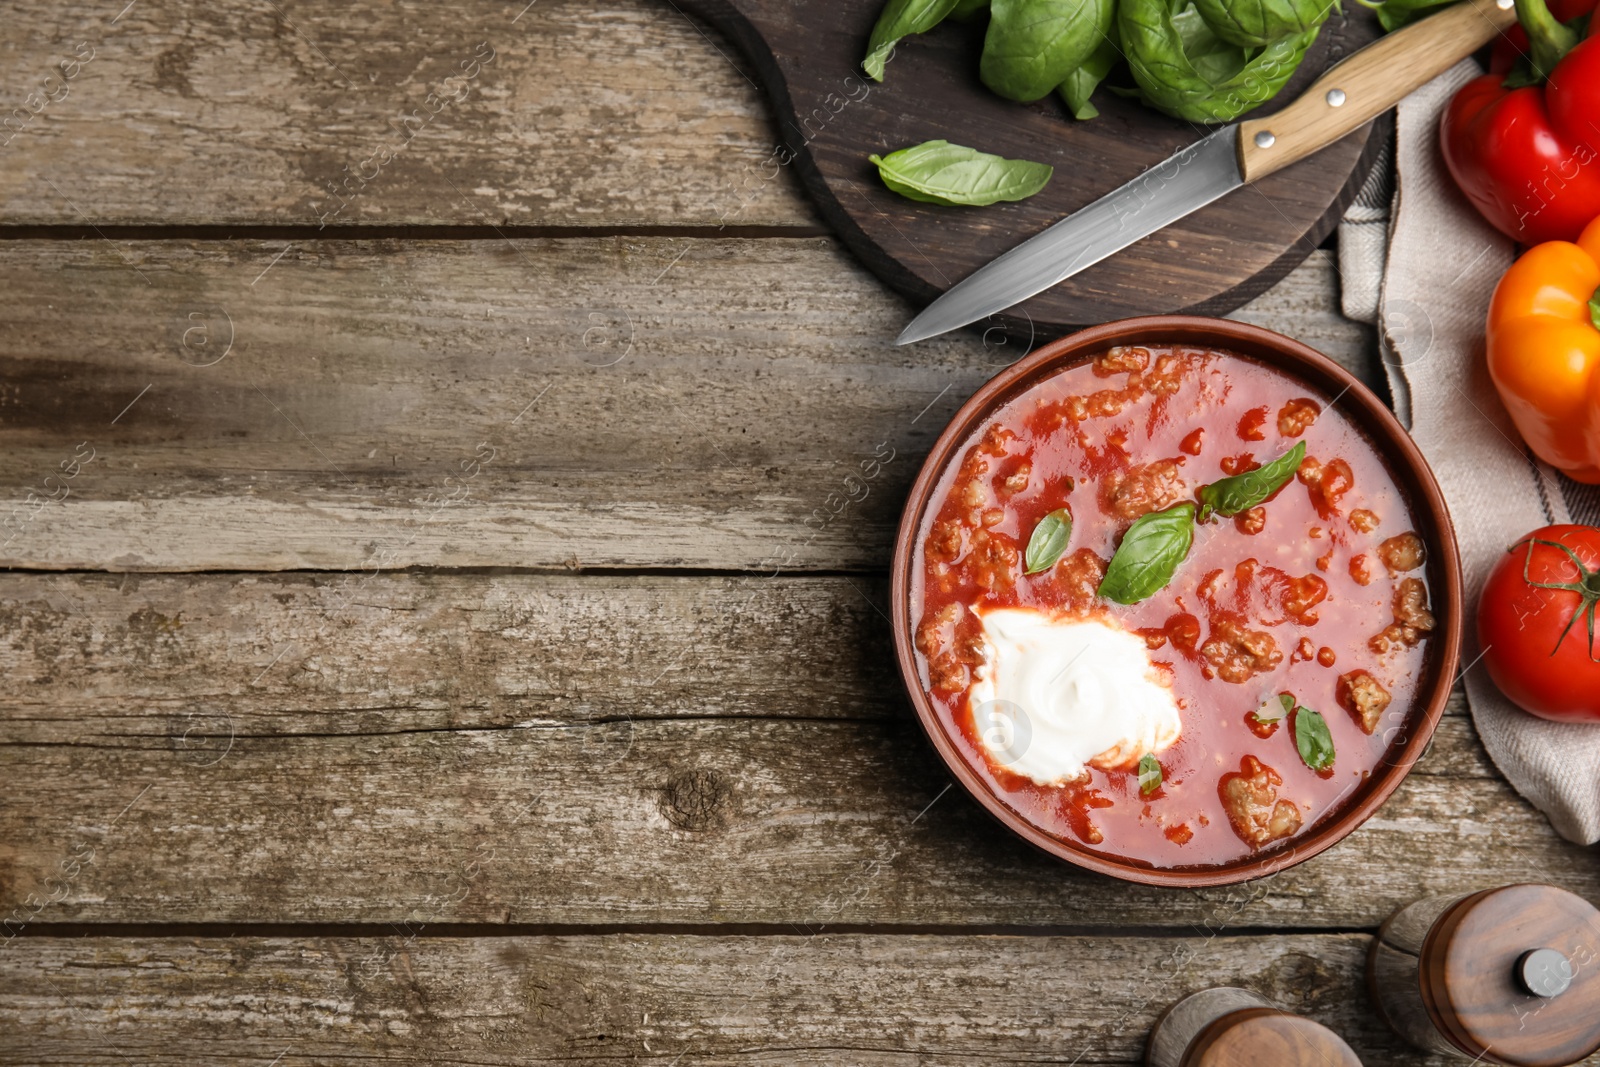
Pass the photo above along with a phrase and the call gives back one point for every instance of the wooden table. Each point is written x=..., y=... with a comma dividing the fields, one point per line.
x=446, y=629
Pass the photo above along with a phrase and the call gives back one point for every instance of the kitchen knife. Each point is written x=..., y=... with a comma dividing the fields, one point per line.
x=1350, y=93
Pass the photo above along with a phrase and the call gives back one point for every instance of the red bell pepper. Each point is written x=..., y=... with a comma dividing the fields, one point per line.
x=1525, y=146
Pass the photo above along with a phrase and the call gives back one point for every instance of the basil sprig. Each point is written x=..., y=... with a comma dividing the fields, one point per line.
x=1244, y=491
x=938, y=172
x=1257, y=24
x=1033, y=45
x=1149, y=774
x=1312, y=738
x=901, y=18
x=1182, y=67
x=1049, y=540
x=1149, y=554
x=1080, y=85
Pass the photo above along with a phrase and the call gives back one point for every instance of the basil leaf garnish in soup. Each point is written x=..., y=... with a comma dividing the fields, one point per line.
x=901, y=18
x=1149, y=775
x=1049, y=540
x=1149, y=554
x=1312, y=738
x=1244, y=491
x=938, y=172
x=1283, y=701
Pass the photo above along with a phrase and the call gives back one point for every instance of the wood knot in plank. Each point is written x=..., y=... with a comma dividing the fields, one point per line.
x=697, y=800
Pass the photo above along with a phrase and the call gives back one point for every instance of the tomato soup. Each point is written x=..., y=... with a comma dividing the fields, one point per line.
x=1171, y=606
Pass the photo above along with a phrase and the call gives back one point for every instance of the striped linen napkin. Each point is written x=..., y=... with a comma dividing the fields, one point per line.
x=1419, y=263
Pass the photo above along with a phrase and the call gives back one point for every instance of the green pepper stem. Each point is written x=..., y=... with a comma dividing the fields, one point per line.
x=1594, y=309
x=1549, y=40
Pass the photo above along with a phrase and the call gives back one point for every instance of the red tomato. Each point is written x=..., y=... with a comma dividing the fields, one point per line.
x=1536, y=622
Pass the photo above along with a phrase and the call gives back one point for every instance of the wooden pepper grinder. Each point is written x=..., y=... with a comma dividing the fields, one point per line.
x=1508, y=976
x=1228, y=1027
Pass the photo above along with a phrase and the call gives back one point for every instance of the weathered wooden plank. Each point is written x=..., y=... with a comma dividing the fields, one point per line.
x=479, y=113
x=542, y=403
x=828, y=999
x=295, y=654
x=558, y=749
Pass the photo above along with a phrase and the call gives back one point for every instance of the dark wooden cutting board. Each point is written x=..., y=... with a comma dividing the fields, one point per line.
x=833, y=117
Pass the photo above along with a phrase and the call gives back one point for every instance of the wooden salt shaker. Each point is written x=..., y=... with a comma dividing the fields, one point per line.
x=1508, y=976
x=1228, y=1027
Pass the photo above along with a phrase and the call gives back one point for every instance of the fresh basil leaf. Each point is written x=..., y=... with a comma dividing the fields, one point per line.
x=1049, y=540
x=1033, y=45
x=1244, y=491
x=1257, y=23
x=1081, y=83
x=1149, y=554
x=1312, y=738
x=901, y=18
x=1149, y=775
x=1185, y=69
x=1392, y=14
x=967, y=10
x=938, y=172
x=1284, y=701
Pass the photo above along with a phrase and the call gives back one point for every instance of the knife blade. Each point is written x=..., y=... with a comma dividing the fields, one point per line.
x=1349, y=94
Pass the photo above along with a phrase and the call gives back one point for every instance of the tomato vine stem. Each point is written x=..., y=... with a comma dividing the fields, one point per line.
x=1587, y=587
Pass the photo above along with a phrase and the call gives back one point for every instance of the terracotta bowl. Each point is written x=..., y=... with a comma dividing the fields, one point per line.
x=1407, y=467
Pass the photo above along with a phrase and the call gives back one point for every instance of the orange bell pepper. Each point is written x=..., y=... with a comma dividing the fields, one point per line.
x=1544, y=351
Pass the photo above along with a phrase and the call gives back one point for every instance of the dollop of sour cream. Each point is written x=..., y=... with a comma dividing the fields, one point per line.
x=1055, y=695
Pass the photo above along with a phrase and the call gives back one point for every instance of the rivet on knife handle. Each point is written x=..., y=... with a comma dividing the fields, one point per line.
x=1369, y=83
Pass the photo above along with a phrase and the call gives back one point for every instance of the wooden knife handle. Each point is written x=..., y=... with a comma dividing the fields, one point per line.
x=1370, y=82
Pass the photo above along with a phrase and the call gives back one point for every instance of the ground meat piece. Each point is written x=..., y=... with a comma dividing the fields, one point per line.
x=1107, y=402
x=1120, y=360
x=1167, y=376
x=1017, y=480
x=1326, y=483
x=947, y=674
x=1251, y=522
x=1361, y=570
x=1253, y=425
x=1412, y=619
x=995, y=439
x=1251, y=798
x=1078, y=577
x=1303, y=594
x=1142, y=489
x=944, y=541
x=971, y=494
x=1359, y=693
x=1237, y=654
x=1295, y=417
x=1402, y=552
x=1363, y=521
x=994, y=561
x=993, y=517
x=1411, y=605
x=935, y=629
